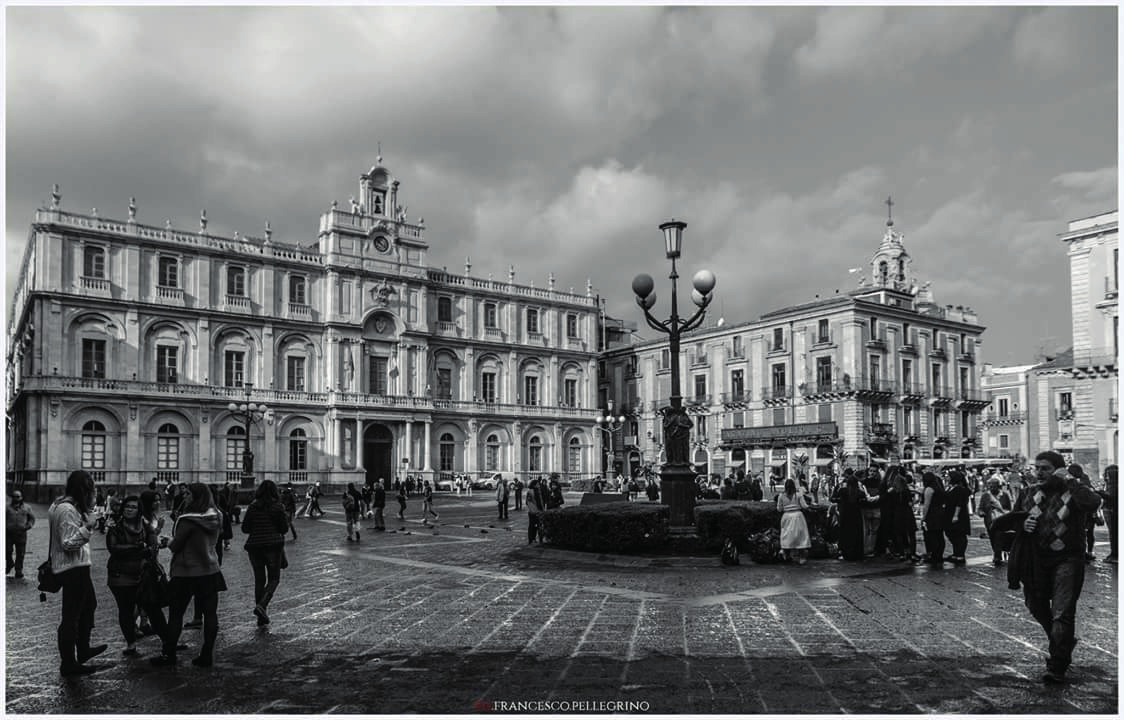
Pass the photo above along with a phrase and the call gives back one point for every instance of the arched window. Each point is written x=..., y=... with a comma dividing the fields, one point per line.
x=901, y=270
x=298, y=456
x=492, y=453
x=236, y=281
x=444, y=309
x=574, y=456
x=446, y=446
x=884, y=271
x=235, y=445
x=93, y=449
x=534, y=454
x=168, y=453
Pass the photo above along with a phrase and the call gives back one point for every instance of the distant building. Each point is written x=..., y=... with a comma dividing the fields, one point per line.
x=127, y=342
x=1005, y=426
x=873, y=375
x=1075, y=396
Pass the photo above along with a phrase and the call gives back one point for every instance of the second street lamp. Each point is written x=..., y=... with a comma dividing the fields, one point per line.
x=609, y=425
x=249, y=413
x=676, y=477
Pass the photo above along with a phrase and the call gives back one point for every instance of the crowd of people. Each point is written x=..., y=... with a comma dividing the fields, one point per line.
x=1039, y=522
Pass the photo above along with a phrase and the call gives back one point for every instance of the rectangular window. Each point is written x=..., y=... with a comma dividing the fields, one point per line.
x=965, y=424
x=234, y=367
x=235, y=446
x=345, y=298
x=907, y=421
x=737, y=383
x=236, y=281
x=907, y=374
x=1065, y=404
x=906, y=339
x=166, y=369
x=964, y=380
x=778, y=379
x=488, y=387
x=93, y=262
x=778, y=416
x=1004, y=442
x=875, y=372
x=169, y=272
x=823, y=374
x=1001, y=407
x=444, y=309
x=298, y=453
x=377, y=376
x=571, y=325
x=570, y=392
x=937, y=379
x=739, y=347
x=294, y=373
x=823, y=331
x=297, y=294
x=491, y=457
x=532, y=321
x=739, y=419
x=700, y=387
x=490, y=315
x=874, y=328
x=93, y=358
x=825, y=412
x=445, y=383
x=530, y=390
x=665, y=359
x=93, y=452
x=778, y=338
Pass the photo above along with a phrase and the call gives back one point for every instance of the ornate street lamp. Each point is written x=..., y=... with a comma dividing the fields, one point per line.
x=677, y=479
x=249, y=413
x=609, y=424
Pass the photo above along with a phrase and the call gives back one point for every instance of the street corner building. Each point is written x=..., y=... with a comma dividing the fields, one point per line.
x=127, y=343
x=876, y=374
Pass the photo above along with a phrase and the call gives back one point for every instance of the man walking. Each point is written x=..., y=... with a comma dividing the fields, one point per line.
x=501, y=498
x=518, y=487
x=20, y=520
x=1051, y=555
x=289, y=503
x=378, y=503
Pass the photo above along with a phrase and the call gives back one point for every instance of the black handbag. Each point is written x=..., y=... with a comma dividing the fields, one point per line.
x=153, y=590
x=48, y=581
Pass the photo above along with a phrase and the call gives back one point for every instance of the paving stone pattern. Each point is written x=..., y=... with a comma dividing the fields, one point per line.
x=464, y=617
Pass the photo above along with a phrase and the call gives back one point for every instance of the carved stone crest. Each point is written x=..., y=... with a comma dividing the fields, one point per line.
x=381, y=293
x=380, y=324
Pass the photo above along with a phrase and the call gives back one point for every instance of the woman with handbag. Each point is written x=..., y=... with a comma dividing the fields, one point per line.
x=72, y=522
x=194, y=573
x=266, y=523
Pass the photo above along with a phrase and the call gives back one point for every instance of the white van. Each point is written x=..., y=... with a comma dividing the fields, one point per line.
x=488, y=481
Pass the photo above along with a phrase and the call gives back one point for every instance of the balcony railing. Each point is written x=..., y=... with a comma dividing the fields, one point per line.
x=967, y=356
x=169, y=294
x=943, y=392
x=237, y=302
x=879, y=433
x=698, y=399
x=970, y=395
x=776, y=392
x=300, y=310
x=736, y=397
x=95, y=283
x=938, y=353
x=493, y=333
x=908, y=348
x=446, y=326
x=876, y=343
x=1011, y=418
x=912, y=388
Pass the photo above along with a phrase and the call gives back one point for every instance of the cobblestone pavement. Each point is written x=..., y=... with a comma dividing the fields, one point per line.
x=465, y=617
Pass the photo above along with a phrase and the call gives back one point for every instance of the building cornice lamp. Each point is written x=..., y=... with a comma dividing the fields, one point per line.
x=249, y=413
x=609, y=424
x=676, y=476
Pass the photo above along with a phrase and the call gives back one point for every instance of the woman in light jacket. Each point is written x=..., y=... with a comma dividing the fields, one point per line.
x=194, y=573
x=72, y=522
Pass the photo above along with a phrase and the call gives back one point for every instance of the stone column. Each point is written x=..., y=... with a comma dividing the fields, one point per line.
x=410, y=444
x=427, y=467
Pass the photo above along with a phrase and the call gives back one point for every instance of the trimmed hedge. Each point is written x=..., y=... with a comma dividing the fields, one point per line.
x=716, y=520
x=607, y=527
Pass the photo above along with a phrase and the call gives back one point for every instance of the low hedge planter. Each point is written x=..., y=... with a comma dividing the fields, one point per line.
x=716, y=520
x=615, y=527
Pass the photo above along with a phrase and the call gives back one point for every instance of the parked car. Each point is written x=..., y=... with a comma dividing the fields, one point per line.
x=444, y=481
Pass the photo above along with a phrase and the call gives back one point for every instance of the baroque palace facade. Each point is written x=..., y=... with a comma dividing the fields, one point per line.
x=877, y=374
x=127, y=342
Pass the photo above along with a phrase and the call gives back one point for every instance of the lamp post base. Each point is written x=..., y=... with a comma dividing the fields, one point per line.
x=247, y=480
x=677, y=491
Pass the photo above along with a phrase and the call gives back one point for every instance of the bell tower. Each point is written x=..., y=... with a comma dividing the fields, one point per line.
x=891, y=265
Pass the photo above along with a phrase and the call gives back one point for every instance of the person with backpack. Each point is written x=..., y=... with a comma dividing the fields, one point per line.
x=351, y=503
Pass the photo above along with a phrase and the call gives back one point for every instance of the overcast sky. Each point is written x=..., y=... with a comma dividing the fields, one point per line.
x=557, y=139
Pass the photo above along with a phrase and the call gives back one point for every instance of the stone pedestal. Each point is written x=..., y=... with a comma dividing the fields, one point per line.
x=247, y=480
x=677, y=491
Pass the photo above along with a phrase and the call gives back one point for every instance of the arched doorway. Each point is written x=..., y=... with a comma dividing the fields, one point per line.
x=378, y=452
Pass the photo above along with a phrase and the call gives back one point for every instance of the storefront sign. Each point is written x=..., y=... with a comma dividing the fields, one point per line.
x=781, y=434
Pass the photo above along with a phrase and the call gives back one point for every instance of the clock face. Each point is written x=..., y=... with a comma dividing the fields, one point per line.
x=381, y=244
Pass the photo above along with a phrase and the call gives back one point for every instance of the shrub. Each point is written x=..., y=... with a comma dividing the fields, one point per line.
x=608, y=527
